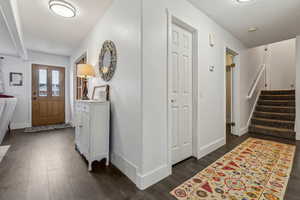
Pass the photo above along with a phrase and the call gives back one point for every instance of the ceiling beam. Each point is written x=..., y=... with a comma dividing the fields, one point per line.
x=10, y=13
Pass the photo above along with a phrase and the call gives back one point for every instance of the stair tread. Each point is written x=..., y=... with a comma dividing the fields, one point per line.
x=278, y=90
x=277, y=95
x=275, y=106
x=277, y=100
x=273, y=128
x=275, y=113
x=272, y=120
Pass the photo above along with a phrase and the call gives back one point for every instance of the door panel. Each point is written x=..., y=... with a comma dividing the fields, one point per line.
x=48, y=95
x=175, y=73
x=175, y=131
x=180, y=94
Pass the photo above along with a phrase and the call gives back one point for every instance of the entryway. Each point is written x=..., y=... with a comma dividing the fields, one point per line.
x=48, y=95
x=180, y=91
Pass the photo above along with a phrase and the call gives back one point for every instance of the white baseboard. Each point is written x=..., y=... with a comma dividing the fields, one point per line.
x=235, y=132
x=211, y=147
x=71, y=123
x=125, y=166
x=19, y=125
x=146, y=180
x=243, y=131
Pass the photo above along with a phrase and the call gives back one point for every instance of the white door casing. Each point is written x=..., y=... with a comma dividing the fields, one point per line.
x=180, y=94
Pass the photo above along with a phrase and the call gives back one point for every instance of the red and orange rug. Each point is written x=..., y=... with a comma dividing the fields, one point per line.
x=255, y=170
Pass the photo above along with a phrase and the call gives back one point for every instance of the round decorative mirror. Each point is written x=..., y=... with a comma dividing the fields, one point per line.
x=107, y=60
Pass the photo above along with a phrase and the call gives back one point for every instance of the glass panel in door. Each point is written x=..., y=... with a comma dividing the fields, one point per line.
x=55, y=83
x=43, y=87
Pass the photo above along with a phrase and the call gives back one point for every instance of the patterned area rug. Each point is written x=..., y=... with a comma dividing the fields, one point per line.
x=47, y=128
x=255, y=170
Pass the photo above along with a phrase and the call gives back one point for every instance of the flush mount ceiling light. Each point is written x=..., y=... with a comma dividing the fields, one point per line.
x=252, y=29
x=243, y=1
x=62, y=8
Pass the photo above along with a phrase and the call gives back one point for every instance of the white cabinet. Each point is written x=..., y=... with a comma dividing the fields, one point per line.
x=92, y=130
x=7, y=108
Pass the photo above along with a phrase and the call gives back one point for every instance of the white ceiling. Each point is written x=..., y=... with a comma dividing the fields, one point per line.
x=276, y=20
x=46, y=32
x=7, y=47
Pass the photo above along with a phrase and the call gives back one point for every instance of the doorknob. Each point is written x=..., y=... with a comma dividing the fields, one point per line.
x=173, y=100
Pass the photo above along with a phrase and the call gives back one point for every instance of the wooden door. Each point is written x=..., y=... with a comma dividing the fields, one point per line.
x=48, y=95
x=180, y=94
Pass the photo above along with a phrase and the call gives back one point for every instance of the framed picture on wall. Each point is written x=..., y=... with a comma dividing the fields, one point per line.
x=15, y=79
x=101, y=93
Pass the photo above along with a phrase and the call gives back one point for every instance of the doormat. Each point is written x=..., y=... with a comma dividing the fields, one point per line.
x=256, y=169
x=47, y=128
x=3, y=151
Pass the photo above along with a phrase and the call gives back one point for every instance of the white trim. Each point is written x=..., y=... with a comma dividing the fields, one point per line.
x=14, y=125
x=169, y=61
x=235, y=92
x=172, y=19
x=207, y=149
x=125, y=166
x=244, y=130
x=74, y=86
x=235, y=131
x=146, y=180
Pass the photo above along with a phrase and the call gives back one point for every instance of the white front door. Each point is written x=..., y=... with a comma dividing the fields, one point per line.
x=180, y=94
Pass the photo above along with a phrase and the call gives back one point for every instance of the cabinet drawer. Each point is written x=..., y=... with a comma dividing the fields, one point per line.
x=82, y=107
x=78, y=107
x=85, y=108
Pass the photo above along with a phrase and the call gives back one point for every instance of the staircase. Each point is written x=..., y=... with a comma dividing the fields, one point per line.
x=274, y=114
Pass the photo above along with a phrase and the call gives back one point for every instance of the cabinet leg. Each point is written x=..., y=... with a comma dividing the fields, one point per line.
x=107, y=161
x=90, y=167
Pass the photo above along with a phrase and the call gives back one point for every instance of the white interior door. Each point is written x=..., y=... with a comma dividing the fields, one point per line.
x=180, y=94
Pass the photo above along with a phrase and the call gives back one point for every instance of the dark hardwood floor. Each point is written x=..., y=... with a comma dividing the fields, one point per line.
x=45, y=166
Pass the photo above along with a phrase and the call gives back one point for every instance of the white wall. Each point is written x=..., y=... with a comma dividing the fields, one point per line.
x=22, y=115
x=251, y=62
x=211, y=85
x=282, y=64
x=297, y=125
x=122, y=24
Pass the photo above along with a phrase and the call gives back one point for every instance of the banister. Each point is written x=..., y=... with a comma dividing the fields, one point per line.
x=256, y=81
